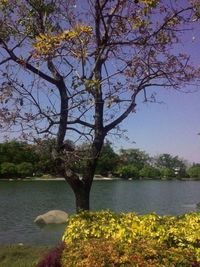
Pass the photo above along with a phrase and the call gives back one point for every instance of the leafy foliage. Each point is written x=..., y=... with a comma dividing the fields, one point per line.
x=44, y=150
x=24, y=169
x=128, y=171
x=52, y=257
x=194, y=171
x=173, y=232
x=166, y=172
x=47, y=44
x=17, y=152
x=108, y=160
x=172, y=163
x=111, y=253
x=134, y=157
x=150, y=172
x=8, y=170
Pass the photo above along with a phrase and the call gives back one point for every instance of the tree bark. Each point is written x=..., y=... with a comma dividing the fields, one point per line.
x=81, y=191
x=81, y=188
x=82, y=196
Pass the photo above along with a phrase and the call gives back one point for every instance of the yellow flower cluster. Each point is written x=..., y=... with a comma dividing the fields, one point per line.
x=4, y=2
x=46, y=44
x=150, y=3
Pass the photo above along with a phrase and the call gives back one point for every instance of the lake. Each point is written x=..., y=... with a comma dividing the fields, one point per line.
x=22, y=201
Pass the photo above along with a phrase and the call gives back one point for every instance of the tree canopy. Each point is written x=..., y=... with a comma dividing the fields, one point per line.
x=78, y=67
x=173, y=163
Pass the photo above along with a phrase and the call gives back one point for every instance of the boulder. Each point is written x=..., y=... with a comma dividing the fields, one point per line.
x=52, y=217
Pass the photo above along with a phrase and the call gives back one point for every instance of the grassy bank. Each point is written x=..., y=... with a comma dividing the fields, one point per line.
x=20, y=255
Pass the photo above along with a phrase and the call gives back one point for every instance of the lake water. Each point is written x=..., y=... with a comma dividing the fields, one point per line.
x=22, y=201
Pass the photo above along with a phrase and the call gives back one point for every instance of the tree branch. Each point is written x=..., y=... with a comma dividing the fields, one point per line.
x=121, y=117
x=28, y=65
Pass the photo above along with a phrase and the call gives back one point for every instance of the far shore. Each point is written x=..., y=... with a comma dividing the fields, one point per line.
x=97, y=178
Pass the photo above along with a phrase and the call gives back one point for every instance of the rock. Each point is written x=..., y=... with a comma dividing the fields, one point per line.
x=52, y=217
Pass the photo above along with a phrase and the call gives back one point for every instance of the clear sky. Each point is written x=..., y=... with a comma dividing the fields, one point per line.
x=171, y=127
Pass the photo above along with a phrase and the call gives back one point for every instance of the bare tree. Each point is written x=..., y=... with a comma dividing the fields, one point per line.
x=76, y=68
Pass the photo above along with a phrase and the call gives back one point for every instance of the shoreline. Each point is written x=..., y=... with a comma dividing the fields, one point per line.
x=97, y=178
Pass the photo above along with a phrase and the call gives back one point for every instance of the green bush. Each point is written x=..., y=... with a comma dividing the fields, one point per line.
x=149, y=172
x=173, y=232
x=25, y=169
x=8, y=170
x=111, y=253
x=167, y=173
x=128, y=171
x=194, y=172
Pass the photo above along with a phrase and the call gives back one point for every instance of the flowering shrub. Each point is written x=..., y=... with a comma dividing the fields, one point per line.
x=111, y=253
x=52, y=257
x=181, y=232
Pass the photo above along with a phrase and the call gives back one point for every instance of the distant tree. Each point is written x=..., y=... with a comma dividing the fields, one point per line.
x=194, y=171
x=108, y=160
x=167, y=173
x=149, y=172
x=134, y=157
x=8, y=170
x=173, y=163
x=17, y=152
x=79, y=67
x=44, y=149
x=128, y=171
x=24, y=169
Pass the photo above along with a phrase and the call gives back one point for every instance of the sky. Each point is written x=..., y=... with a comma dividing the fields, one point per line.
x=171, y=127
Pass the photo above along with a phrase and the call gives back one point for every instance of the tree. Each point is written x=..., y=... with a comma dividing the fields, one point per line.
x=24, y=169
x=76, y=68
x=128, y=171
x=194, y=171
x=134, y=157
x=8, y=170
x=107, y=161
x=149, y=172
x=167, y=173
x=46, y=163
x=17, y=152
x=173, y=163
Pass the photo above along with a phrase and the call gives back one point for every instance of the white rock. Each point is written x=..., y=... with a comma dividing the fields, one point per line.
x=52, y=217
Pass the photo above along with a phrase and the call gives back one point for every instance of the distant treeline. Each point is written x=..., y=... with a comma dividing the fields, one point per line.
x=20, y=159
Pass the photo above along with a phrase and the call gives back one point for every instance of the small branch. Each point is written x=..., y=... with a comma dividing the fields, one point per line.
x=29, y=66
x=84, y=123
x=5, y=60
x=121, y=117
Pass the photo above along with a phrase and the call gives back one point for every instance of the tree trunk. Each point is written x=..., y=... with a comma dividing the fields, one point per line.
x=82, y=196
x=81, y=189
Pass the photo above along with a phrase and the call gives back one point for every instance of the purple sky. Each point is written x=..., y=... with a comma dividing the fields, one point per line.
x=171, y=127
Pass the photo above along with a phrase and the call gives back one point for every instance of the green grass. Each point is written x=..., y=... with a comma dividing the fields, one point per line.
x=21, y=256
